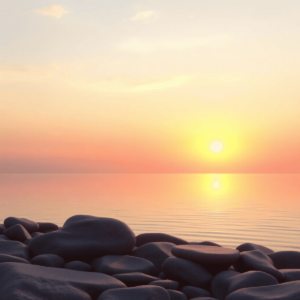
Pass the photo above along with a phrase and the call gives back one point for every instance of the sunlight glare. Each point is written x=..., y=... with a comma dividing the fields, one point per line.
x=216, y=147
x=216, y=185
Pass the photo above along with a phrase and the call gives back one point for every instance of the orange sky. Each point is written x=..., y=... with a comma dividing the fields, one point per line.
x=144, y=87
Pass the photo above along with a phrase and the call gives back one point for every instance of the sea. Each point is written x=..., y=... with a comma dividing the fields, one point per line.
x=228, y=209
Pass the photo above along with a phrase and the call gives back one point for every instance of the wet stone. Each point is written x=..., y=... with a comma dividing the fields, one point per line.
x=2, y=228
x=41, y=283
x=162, y=275
x=214, y=259
x=252, y=246
x=203, y=298
x=136, y=293
x=14, y=248
x=256, y=260
x=48, y=260
x=35, y=234
x=47, y=227
x=176, y=295
x=283, y=291
x=227, y=282
x=29, y=225
x=157, y=253
x=135, y=279
x=78, y=266
x=4, y=237
x=186, y=272
x=146, y=238
x=118, y=264
x=17, y=233
x=10, y=258
x=205, y=243
x=193, y=292
x=85, y=238
x=166, y=284
x=290, y=274
x=286, y=259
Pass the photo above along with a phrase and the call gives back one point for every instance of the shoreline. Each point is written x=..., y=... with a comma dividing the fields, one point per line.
x=101, y=258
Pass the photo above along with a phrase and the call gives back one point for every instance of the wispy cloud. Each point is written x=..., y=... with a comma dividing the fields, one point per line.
x=53, y=11
x=144, y=15
x=142, y=45
x=162, y=84
x=70, y=74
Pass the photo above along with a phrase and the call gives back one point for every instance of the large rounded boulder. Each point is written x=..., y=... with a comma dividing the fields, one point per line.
x=252, y=246
x=85, y=238
x=286, y=259
x=186, y=272
x=120, y=264
x=30, y=282
x=146, y=238
x=29, y=225
x=214, y=259
x=157, y=253
x=284, y=291
x=228, y=282
x=136, y=293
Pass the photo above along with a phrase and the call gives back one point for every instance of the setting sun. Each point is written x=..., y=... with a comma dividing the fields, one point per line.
x=216, y=147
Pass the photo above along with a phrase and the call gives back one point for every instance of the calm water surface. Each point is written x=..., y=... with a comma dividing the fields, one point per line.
x=226, y=209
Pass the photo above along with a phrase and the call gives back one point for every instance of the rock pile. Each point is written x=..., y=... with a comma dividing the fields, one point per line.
x=93, y=258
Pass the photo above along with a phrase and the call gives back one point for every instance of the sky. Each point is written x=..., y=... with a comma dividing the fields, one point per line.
x=130, y=86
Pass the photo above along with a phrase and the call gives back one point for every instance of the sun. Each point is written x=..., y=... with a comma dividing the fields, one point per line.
x=216, y=147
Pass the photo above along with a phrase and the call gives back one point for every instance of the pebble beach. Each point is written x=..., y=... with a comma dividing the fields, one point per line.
x=102, y=259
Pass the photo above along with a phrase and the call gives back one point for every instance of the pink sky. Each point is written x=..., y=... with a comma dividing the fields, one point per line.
x=140, y=88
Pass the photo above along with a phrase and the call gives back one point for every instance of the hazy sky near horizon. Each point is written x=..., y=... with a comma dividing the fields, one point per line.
x=146, y=86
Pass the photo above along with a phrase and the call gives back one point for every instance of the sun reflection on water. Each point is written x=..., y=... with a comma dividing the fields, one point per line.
x=216, y=185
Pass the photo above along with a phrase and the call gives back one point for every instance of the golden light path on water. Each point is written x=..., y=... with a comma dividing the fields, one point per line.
x=228, y=209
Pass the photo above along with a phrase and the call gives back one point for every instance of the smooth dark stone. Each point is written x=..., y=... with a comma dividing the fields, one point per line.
x=214, y=259
x=256, y=260
x=227, y=282
x=219, y=284
x=48, y=260
x=162, y=275
x=78, y=266
x=8, y=258
x=45, y=226
x=136, y=293
x=35, y=234
x=286, y=259
x=146, y=238
x=135, y=279
x=17, y=233
x=4, y=238
x=157, y=253
x=205, y=243
x=2, y=228
x=29, y=225
x=186, y=271
x=166, y=284
x=27, y=242
x=120, y=264
x=85, y=238
x=22, y=281
x=193, y=292
x=284, y=291
x=176, y=295
x=290, y=274
x=14, y=248
x=251, y=247
x=207, y=255
x=203, y=298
